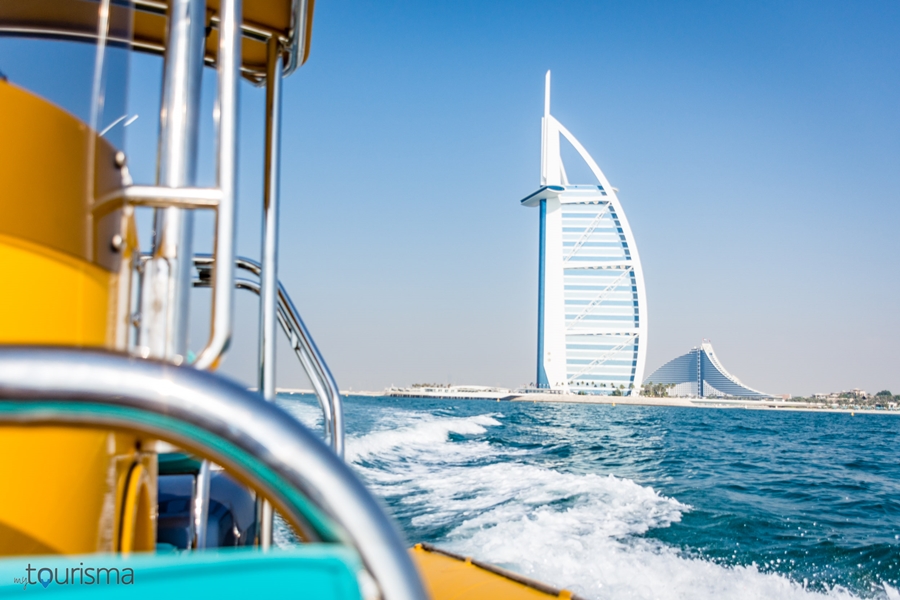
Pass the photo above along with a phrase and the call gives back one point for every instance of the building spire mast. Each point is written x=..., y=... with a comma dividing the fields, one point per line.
x=545, y=126
x=547, y=95
x=551, y=164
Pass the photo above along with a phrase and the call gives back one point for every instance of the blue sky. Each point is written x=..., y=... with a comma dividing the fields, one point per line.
x=755, y=145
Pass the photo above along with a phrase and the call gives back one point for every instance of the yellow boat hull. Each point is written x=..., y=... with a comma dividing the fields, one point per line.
x=448, y=576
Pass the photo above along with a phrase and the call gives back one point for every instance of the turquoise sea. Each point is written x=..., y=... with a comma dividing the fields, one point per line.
x=641, y=502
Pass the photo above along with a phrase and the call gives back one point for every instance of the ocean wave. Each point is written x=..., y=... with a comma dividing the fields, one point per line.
x=593, y=549
x=573, y=530
x=420, y=435
x=308, y=414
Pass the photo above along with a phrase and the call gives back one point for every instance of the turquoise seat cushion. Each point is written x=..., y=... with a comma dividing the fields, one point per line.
x=322, y=571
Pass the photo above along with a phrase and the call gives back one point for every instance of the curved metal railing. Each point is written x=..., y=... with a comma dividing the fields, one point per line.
x=327, y=392
x=218, y=420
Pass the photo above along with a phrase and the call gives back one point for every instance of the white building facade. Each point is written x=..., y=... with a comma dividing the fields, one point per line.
x=592, y=316
x=700, y=373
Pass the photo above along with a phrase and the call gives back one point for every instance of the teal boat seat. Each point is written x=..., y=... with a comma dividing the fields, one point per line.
x=322, y=571
x=177, y=463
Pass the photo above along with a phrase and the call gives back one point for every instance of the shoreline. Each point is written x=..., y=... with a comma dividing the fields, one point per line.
x=781, y=405
x=722, y=403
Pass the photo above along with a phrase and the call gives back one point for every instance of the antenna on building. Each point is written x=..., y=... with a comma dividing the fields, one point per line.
x=547, y=95
x=551, y=162
x=545, y=126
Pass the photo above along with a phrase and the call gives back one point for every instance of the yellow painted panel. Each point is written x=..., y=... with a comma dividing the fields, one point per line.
x=43, y=172
x=138, y=523
x=52, y=298
x=52, y=167
x=64, y=489
x=447, y=578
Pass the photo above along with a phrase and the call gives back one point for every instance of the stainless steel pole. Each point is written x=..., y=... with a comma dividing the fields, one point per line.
x=229, y=71
x=167, y=276
x=268, y=296
x=200, y=508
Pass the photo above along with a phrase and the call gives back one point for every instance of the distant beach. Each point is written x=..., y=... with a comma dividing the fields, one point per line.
x=619, y=401
x=694, y=403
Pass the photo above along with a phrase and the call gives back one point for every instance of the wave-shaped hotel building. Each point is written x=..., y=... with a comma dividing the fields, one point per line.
x=592, y=316
x=699, y=373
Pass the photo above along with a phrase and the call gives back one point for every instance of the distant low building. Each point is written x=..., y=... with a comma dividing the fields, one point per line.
x=700, y=374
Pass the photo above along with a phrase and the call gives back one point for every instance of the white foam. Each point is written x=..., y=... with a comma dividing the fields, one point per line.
x=308, y=414
x=583, y=549
x=422, y=433
x=578, y=531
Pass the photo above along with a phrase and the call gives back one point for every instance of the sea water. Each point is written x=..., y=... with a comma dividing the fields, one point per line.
x=640, y=502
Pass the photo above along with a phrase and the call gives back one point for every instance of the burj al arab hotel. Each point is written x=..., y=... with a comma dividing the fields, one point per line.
x=592, y=307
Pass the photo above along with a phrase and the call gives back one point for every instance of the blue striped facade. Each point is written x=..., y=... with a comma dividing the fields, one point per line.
x=602, y=312
x=701, y=366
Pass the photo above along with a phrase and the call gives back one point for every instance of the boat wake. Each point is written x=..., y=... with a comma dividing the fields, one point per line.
x=448, y=484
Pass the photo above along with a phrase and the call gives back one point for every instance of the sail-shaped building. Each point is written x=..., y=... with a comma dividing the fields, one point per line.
x=699, y=373
x=592, y=307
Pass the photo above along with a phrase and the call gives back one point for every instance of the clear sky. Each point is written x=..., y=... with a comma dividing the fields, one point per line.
x=756, y=147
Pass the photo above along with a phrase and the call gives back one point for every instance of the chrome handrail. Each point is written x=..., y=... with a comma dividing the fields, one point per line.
x=229, y=69
x=308, y=352
x=157, y=196
x=268, y=281
x=175, y=144
x=217, y=419
x=327, y=391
